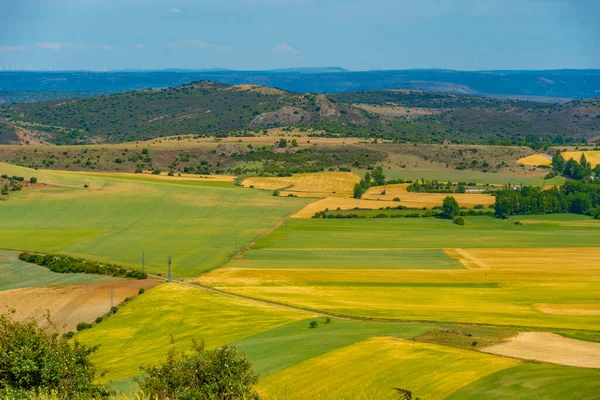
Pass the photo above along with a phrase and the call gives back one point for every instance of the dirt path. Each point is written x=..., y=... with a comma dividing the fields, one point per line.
x=551, y=348
x=467, y=259
x=70, y=304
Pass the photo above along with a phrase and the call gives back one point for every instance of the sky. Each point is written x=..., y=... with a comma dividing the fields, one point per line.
x=270, y=34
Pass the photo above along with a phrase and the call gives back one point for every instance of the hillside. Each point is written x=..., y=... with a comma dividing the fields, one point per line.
x=214, y=109
x=552, y=85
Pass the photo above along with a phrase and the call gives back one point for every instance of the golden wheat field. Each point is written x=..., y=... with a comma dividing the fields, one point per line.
x=535, y=160
x=592, y=156
x=318, y=184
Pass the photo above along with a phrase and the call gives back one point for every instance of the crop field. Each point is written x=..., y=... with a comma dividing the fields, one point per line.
x=535, y=381
x=417, y=200
x=16, y=274
x=453, y=175
x=318, y=184
x=71, y=304
x=201, y=224
x=171, y=315
x=535, y=159
x=377, y=366
x=503, y=278
x=592, y=156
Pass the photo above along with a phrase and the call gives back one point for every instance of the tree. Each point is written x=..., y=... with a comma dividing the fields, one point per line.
x=34, y=361
x=558, y=162
x=33, y=180
x=378, y=177
x=282, y=143
x=450, y=207
x=222, y=374
x=294, y=143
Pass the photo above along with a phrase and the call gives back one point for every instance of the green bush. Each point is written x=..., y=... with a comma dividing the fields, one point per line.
x=458, y=220
x=313, y=324
x=99, y=319
x=222, y=374
x=83, y=326
x=35, y=362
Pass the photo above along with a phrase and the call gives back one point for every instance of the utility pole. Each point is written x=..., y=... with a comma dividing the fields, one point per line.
x=112, y=299
x=143, y=261
x=169, y=278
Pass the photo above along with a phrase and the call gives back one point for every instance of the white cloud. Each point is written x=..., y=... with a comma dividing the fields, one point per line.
x=194, y=43
x=285, y=49
x=175, y=10
x=139, y=46
x=12, y=49
x=56, y=46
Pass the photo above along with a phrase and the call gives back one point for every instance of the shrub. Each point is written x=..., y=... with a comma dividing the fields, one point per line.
x=99, y=319
x=276, y=193
x=396, y=199
x=33, y=180
x=313, y=324
x=222, y=374
x=141, y=291
x=327, y=320
x=35, y=362
x=458, y=220
x=83, y=326
x=68, y=335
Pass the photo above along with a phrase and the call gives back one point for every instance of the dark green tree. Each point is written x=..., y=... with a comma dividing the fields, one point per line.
x=282, y=143
x=558, y=162
x=450, y=207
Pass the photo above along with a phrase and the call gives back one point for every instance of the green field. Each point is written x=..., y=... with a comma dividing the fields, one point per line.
x=347, y=259
x=200, y=224
x=535, y=381
x=15, y=274
x=563, y=230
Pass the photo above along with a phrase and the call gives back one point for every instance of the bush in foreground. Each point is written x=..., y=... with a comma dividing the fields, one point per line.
x=222, y=374
x=35, y=363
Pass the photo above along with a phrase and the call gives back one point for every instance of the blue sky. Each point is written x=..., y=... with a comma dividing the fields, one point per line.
x=267, y=34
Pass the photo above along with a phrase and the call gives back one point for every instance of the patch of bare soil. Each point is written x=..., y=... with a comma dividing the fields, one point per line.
x=70, y=304
x=551, y=348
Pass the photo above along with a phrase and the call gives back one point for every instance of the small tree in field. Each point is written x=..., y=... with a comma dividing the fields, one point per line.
x=222, y=374
x=282, y=143
x=450, y=207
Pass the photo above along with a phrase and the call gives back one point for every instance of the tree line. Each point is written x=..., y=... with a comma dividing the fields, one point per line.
x=64, y=264
x=574, y=196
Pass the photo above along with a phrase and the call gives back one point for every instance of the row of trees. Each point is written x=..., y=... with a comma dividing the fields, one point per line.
x=581, y=170
x=574, y=196
x=375, y=178
x=434, y=186
x=64, y=264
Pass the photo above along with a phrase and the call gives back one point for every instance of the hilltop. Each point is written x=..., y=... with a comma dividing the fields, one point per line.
x=215, y=109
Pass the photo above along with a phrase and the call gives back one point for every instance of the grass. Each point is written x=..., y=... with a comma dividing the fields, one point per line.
x=534, y=381
x=270, y=352
x=15, y=274
x=347, y=259
x=379, y=365
x=564, y=230
x=200, y=224
x=170, y=316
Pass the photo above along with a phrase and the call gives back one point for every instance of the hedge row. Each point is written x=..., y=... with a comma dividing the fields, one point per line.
x=65, y=264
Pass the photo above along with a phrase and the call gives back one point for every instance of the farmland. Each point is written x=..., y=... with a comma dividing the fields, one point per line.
x=502, y=278
x=392, y=298
x=201, y=223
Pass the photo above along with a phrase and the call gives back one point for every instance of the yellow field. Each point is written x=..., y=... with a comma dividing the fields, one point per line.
x=318, y=184
x=398, y=111
x=592, y=156
x=373, y=199
x=535, y=160
x=373, y=368
x=418, y=200
x=498, y=286
x=171, y=315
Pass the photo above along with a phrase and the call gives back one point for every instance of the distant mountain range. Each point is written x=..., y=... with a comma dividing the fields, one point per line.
x=549, y=86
